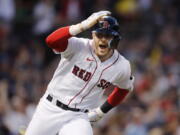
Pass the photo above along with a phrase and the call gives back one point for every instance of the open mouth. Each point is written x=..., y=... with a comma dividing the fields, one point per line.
x=103, y=46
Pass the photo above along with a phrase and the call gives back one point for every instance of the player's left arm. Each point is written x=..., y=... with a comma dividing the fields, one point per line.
x=120, y=92
x=115, y=98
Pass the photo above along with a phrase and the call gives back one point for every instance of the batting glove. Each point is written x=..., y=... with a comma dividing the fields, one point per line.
x=88, y=23
x=95, y=115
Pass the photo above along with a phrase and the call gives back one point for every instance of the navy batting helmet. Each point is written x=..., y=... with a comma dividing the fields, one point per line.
x=109, y=26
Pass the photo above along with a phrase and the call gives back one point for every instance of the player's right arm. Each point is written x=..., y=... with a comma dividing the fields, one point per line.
x=58, y=40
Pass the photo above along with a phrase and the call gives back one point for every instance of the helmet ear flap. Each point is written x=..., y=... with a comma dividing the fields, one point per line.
x=113, y=43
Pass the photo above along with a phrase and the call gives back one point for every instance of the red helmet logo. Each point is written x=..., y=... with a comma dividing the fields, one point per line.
x=106, y=24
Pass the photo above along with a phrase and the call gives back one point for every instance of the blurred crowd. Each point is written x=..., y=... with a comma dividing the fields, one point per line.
x=151, y=41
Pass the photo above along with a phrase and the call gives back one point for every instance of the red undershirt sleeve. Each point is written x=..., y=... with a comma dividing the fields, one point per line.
x=58, y=40
x=115, y=98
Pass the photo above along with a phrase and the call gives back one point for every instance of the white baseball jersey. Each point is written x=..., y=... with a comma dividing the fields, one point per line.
x=80, y=78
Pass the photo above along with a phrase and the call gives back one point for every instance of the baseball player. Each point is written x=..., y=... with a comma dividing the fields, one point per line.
x=86, y=69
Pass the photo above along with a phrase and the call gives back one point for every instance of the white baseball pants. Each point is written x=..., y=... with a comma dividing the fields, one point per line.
x=50, y=120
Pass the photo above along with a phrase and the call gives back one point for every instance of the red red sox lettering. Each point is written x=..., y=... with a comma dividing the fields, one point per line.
x=104, y=84
x=85, y=75
x=81, y=73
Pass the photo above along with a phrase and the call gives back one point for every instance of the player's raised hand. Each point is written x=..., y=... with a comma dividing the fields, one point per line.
x=95, y=115
x=88, y=23
x=93, y=19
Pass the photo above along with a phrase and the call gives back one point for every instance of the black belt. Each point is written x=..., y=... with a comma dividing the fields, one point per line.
x=65, y=107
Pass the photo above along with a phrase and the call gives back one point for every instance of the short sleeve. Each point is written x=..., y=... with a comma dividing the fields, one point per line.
x=75, y=45
x=125, y=79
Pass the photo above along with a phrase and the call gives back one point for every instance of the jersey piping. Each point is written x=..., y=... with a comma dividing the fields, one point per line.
x=85, y=85
x=99, y=77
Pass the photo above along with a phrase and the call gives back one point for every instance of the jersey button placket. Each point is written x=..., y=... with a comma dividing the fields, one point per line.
x=92, y=84
x=93, y=70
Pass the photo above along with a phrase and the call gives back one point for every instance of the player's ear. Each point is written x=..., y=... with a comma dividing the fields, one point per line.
x=93, y=34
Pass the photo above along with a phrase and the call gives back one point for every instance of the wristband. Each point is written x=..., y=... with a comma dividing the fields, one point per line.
x=106, y=107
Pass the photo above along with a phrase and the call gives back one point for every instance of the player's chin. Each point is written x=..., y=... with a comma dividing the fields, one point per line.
x=103, y=52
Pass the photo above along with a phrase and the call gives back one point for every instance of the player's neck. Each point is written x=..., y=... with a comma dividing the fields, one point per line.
x=104, y=58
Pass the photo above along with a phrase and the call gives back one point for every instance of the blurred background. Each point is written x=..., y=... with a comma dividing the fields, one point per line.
x=151, y=41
